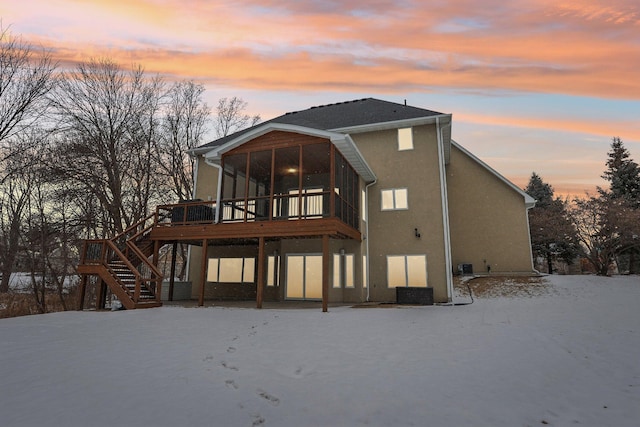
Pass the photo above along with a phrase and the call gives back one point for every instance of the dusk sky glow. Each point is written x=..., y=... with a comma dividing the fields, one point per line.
x=533, y=85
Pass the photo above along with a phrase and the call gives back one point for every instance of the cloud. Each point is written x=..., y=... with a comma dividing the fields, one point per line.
x=520, y=46
x=607, y=129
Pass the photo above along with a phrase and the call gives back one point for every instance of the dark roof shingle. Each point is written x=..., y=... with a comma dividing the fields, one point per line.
x=340, y=115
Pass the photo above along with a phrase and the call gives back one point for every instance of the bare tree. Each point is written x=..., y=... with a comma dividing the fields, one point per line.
x=26, y=77
x=230, y=116
x=14, y=198
x=22, y=174
x=109, y=120
x=605, y=226
x=183, y=128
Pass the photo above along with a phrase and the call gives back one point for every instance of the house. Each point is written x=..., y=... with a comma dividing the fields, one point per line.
x=339, y=203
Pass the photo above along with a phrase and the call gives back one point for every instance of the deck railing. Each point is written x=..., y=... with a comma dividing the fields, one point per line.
x=279, y=207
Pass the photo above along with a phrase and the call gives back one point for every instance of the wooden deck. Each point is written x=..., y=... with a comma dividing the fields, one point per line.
x=332, y=227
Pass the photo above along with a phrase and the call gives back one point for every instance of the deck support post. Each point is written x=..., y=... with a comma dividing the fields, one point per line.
x=101, y=294
x=325, y=273
x=260, y=284
x=174, y=248
x=203, y=271
x=82, y=293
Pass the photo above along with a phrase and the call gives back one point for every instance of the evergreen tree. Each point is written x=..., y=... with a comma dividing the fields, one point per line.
x=539, y=190
x=623, y=174
x=553, y=236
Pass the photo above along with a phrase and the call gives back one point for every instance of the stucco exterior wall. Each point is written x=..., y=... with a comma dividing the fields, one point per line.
x=393, y=232
x=207, y=181
x=488, y=219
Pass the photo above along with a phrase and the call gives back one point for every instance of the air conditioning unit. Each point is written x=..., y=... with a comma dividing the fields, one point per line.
x=465, y=269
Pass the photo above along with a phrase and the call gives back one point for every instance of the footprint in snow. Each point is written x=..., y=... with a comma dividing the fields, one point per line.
x=258, y=420
x=268, y=397
x=231, y=384
x=227, y=366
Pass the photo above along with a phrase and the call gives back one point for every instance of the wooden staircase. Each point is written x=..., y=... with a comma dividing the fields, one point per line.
x=122, y=263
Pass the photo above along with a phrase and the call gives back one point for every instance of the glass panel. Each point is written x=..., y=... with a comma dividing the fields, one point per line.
x=259, y=184
x=387, y=200
x=336, y=271
x=235, y=170
x=313, y=277
x=230, y=270
x=401, y=198
x=417, y=270
x=271, y=261
x=348, y=271
x=396, y=271
x=405, y=139
x=295, y=276
x=249, y=270
x=286, y=180
x=212, y=270
x=316, y=164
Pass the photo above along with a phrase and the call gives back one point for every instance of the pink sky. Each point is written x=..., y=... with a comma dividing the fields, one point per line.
x=532, y=85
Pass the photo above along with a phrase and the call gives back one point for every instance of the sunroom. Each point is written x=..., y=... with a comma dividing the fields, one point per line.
x=287, y=198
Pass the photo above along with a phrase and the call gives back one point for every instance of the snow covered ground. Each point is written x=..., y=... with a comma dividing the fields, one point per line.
x=568, y=357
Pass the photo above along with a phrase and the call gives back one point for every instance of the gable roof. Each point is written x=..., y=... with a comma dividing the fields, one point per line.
x=336, y=122
x=359, y=115
x=528, y=200
x=342, y=141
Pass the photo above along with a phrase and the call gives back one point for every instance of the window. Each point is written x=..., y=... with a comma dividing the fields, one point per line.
x=406, y=270
x=343, y=271
x=405, y=139
x=394, y=199
x=231, y=270
x=304, y=277
x=273, y=270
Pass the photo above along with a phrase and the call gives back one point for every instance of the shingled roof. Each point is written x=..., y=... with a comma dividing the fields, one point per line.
x=338, y=116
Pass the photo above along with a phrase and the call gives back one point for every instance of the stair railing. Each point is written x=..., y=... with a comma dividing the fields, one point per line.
x=123, y=247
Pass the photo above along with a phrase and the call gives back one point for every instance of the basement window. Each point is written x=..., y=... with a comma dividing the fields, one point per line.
x=407, y=270
x=343, y=273
x=231, y=270
x=273, y=270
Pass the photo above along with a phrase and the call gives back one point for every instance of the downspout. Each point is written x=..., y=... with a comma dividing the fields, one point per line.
x=445, y=213
x=218, y=190
x=366, y=195
x=533, y=265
